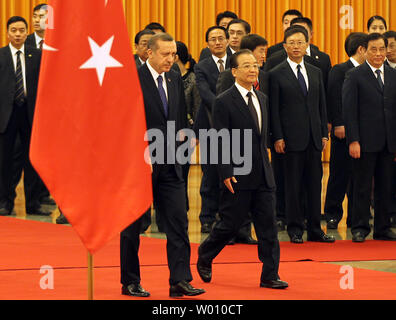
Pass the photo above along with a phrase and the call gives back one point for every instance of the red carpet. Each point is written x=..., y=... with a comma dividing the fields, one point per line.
x=28, y=245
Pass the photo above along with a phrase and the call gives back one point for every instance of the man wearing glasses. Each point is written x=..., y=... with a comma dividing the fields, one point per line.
x=242, y=110
x=299, y=129
x=207, y=72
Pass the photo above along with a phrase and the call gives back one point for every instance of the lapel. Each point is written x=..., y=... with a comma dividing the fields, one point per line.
x=28, y=66
x=387, y=86
x=241, y=105
x=263, y=113
x=373, y=78
x=9, y=63
x=214, y=71
x=289, y=74
x=311, y=79
x=152, y=88
x=172, y=96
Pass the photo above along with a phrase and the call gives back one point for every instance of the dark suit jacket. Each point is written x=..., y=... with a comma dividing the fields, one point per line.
x=206, y=73
x=275, y=48
x=31, y=41
x=8, y=83
x=369, y=113
x=295, y=117
x=334, y=92
x=205, y=53
x=230, y=112
x=137, y=60
x=226, y=80
x=155, y=114
x=317, y=58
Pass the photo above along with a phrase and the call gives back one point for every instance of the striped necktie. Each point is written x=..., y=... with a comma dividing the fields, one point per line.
x=19, y=98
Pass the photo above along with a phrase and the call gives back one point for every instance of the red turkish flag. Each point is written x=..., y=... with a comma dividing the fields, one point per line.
x=88, y=132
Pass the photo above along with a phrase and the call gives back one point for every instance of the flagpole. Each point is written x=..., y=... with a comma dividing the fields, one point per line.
x=90, y=276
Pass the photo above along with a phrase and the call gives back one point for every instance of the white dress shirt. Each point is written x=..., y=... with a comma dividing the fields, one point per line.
x=38, y=40
x=155, y=75
x=23, y=65
x=294, y=65
x=255, y=100
x=375, y=69
x=216, y=60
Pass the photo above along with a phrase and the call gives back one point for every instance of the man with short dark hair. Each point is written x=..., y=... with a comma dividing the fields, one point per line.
x=239, y=110
x=369, y=109
x=222, y=20
x=156, y=27
x=300, y=134
x=340, y=182
x=164, y=102
x=237, y=29
x=18, y=90
x=207, y=72
x=287, y=18
x=141, y=40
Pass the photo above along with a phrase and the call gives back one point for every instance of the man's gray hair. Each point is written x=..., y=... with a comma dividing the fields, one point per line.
x=153, y=42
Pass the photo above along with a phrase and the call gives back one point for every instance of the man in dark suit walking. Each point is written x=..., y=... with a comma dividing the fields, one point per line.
x=258, y=46
x=300, y=133
x=164, y=105
x=207, y=72
x=340, y=181
x=369, y=107
x=20, y=66
x=244, y=110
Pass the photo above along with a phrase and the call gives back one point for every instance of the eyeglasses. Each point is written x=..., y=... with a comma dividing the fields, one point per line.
x=298, y=43
x=247, y=67
x=219, y=39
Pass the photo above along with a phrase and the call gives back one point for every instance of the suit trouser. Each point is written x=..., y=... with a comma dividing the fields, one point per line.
x=377, y=165
x=303, y=177
x=169, y=198
x=393, y=196
x=234, y=209
x=18, y=163
x=277, y=167
x=18, y=125
x=340, y=181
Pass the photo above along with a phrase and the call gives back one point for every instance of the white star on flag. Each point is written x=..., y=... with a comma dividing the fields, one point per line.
x=101, y=58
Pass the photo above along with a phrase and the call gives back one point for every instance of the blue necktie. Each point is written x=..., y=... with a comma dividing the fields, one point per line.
x=163, y=95
x=381, y=84
x=301, y=80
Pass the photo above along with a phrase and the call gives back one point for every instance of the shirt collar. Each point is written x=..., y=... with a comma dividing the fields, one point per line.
x=15, y=50
x=154, y=73
x=38, y=39
x=375, y=69
x=354, y=62
x=309, y=50
x=392, y=64
x=216, y=59
x=243, y=91
x=294, y=65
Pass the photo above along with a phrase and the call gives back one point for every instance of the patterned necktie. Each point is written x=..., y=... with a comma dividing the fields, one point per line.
x=381, y=84
x=301, y=80
x=19, y=97
x=163, y=95
x=253, y=111
x=257, y=85
x=221, y=63
x=41, y=44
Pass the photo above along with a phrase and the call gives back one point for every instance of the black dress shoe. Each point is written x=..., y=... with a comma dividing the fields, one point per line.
x=322, y=238
x=296, y=239
x=135, y=290
x=387, y=236
x=246, y=240
x=231, y=242
x=393, y=220
x=38, y=212
x=183, y=288
x=274, y=284
x=332, y=224
x=204, y=270
x=4, y=212
x=358, y=237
